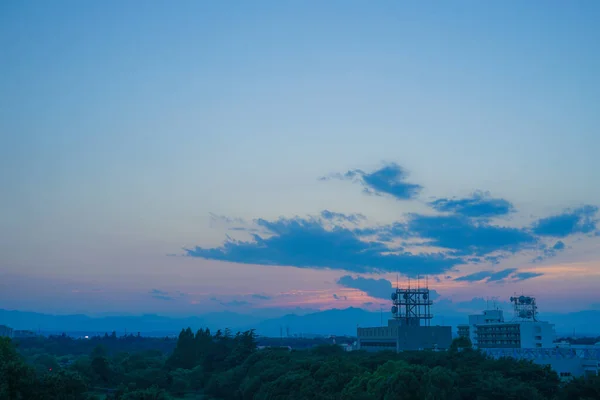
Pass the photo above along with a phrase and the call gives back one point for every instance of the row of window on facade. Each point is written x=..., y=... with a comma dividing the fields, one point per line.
x=479, y=334
x=499, y=328
x=377, y=332
x=378, y=344
x=500, y=342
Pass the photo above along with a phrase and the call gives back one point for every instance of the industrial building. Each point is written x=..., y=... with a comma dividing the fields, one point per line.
x=409, y=328
x=526, y=337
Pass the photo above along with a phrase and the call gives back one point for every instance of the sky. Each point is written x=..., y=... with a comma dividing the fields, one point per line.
x=273, y=157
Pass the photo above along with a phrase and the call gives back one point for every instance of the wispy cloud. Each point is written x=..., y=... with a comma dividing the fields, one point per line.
x=580, y=220
x=261, y=296
x=378, y=288
x=231, y=224
x=390, y=179
x=551, y=251
x=475, y=277
x=468, y=237
x=222, y=219
x=479, y=205
x=160, y=295
x=317, y=242
x=306, y=243
x=231, y=303
x=237, y=303
x=464, y=233
x=502, y=276
x=340, y=217
x=521, y=276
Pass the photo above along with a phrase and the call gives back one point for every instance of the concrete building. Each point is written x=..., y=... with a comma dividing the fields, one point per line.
x=409, y=328
x=6, y=331
x=525, y=337
x=487, y=317
x=397, y=337
x=490, y=331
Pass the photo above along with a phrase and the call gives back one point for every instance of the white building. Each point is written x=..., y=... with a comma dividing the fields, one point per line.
x=490, y=330
x=524, y=337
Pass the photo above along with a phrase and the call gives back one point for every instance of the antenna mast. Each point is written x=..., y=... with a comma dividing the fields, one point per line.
x=411, y=306
x=525, y=307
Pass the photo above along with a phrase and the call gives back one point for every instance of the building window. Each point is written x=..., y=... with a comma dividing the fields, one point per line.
x=378, y=344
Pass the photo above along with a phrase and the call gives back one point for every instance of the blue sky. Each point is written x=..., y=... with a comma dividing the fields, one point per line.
x=464, y=134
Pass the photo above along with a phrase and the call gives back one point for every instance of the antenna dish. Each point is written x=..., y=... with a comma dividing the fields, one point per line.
x=525, y=307
x=412, y=306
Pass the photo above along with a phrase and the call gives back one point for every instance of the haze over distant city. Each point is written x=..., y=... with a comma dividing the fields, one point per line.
x=271, y=157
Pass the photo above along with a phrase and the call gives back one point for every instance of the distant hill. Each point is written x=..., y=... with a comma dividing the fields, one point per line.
x=84, y=323
x=329, y=322
x=580, y=322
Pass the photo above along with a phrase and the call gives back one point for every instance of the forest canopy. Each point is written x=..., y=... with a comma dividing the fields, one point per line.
x=223, y=365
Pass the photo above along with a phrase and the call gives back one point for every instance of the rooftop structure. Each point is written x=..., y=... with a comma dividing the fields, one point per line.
x=412, y=307
x=525, y=308
x=410, y=326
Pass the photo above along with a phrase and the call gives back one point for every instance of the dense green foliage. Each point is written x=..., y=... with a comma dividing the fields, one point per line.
x=20, y=381
x=63, y=345
x=223, y=365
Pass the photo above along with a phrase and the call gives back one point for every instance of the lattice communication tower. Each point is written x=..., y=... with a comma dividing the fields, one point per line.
x=411, y=306
x=525, y=307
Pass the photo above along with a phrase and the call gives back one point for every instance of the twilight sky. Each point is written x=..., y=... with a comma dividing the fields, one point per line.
x=270, y=156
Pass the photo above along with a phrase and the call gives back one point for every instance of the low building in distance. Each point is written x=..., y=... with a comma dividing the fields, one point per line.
x=6, y=331
x=20, y=334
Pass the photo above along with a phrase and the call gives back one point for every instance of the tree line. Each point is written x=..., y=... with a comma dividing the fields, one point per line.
x=224, y=365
